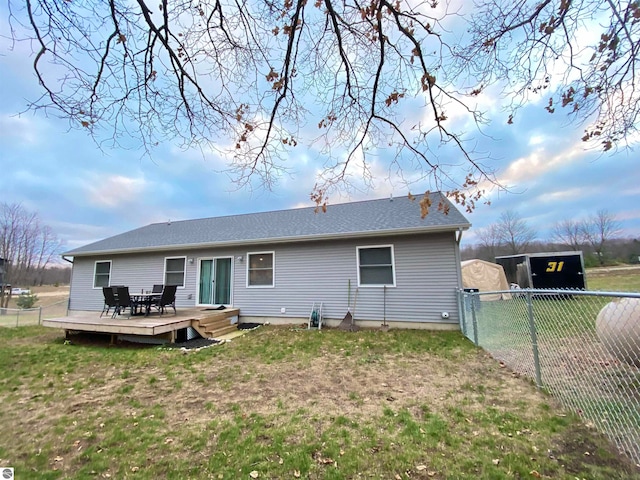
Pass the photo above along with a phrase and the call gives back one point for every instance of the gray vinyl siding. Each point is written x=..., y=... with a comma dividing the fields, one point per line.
x=137, y=271
x=427, y=271
x=426, y=281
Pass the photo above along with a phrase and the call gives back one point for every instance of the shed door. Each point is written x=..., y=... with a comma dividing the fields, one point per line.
x=214, y=287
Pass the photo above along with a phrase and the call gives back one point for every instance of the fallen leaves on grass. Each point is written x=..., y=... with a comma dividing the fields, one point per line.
x=317, y=456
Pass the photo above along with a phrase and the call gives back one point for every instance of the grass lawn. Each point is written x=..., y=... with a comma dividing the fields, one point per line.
x=284, y=403
x=614, y=280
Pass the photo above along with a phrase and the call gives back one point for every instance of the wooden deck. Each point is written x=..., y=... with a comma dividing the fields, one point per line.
x=208, y=323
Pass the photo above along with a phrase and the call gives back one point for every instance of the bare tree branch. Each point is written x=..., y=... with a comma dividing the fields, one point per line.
x=249, y=80
x=532, y=47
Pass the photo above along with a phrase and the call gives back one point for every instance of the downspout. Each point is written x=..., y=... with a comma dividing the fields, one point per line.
x=67, y=259
x=458, y=239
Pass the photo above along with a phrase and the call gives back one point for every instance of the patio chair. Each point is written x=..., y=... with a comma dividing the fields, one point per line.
x=115, y=290
x=109, y=300
x=125, y=301
x=168, y=298
x=157, y=288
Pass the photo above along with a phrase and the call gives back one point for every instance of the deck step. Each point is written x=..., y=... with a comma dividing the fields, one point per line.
x=218, y=317
x=221, y=331
x=216, y=314
x=214, y=331
x=215, y=322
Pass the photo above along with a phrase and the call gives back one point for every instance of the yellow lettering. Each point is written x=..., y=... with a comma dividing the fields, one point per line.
x=553, y=267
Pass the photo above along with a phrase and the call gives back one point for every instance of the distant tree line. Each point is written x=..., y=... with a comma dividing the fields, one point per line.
x=27, y=249
x=51, y=275
x=599, y=237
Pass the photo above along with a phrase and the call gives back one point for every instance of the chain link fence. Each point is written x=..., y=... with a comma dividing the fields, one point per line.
x=581, y=347
x=20, y=317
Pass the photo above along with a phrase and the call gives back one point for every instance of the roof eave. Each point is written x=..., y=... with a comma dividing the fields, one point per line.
x=294, y=239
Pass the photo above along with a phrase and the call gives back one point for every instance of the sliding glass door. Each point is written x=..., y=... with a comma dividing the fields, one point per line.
x=215, y=281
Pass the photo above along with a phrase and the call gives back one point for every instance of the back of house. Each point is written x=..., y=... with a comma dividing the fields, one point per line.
x=378, y=259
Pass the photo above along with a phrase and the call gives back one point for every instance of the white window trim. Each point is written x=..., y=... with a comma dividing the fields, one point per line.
x=393, y=266
x=95, y=268
x=273, y=268
x=184, y=273
x=199, y=264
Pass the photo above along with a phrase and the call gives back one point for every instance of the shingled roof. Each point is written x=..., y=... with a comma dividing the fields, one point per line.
x=346, y=220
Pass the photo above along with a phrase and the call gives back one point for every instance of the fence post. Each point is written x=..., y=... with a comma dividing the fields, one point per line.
x=534, y=340
x=40, y=315
x=474, y=320
x=18, y=318
x=461, y=316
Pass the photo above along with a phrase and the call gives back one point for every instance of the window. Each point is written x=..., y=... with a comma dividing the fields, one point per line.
x=260, y=269
x=174, y=269
x=375, y=266
x=102, y=274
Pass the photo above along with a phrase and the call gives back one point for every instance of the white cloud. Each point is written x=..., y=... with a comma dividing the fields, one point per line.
x=115, y=190
x=630, y=220
x=629, y=214
x=537, y=164
x=563, y=195
x=21, y=130
x=632, y=191
x=537, y=140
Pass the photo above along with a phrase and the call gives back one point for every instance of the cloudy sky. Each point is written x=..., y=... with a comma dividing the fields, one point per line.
x=86, y=193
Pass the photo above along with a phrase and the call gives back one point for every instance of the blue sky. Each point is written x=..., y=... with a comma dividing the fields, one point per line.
x=86, y=193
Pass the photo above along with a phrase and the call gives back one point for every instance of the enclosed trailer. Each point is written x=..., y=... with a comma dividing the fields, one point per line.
x=545, y=270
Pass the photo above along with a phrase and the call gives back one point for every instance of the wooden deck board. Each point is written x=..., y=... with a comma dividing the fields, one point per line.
x=137, y=325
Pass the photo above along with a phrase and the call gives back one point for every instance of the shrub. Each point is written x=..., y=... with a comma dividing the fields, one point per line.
x=26, y=301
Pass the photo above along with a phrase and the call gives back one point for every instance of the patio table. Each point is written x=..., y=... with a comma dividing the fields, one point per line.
x=146, y=300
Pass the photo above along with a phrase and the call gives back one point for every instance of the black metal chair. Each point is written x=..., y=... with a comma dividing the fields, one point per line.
x=167, y=299
x=125, y=301
x=109, y=300
x=157, y=288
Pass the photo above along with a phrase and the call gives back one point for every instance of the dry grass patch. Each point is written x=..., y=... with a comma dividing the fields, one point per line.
x=284, y=403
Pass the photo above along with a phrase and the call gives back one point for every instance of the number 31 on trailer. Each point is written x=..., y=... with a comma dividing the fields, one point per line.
x=554, y=267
